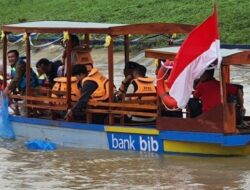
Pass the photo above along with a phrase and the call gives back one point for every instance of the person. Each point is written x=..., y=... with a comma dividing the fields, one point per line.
x=128, y=77
x=42, y=78
x=17, y=84
x=79, y=55
x=141, y=84
x=94, y=86
x=208, y=92
x=75, y=43
x=51, y=69
x=18, y=76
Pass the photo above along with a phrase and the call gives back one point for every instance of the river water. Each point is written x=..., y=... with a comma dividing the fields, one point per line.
x=99, y=169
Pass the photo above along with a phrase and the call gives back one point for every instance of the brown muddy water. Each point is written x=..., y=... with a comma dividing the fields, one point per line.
x=99, y=169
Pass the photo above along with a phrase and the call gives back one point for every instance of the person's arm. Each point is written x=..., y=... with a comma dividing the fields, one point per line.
x=124, y=86
x=197, y=92
x=20, y=71
x=87, y=90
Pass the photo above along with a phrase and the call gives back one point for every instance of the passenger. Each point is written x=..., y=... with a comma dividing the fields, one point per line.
x=51, y=69
x=139, y=85
x=79, y=55
x=75, y=43
x=42, y=78
x=93, y=85
x=17, y=84
x=128, y=74
x=18, y=76
x=208, y=91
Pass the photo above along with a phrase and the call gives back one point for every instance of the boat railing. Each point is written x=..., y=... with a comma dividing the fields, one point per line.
x=134, y=107
x=40, y=98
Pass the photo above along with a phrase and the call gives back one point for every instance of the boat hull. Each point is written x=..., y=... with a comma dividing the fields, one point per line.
x=148, y=139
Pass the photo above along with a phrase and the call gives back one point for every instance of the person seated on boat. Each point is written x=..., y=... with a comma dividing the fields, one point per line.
x=140, y=86
x=17, y=84
x=94, y=87
x=42, y=78
x=208, y=91
x=51, y=69
x=128, y=74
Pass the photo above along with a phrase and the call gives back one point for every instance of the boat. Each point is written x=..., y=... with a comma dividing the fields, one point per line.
x=212, y=133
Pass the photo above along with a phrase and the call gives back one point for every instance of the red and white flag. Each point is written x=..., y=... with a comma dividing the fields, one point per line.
x=197, y=52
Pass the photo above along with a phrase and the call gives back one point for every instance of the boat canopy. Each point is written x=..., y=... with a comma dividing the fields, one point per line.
x=99, y=28
x=86, y=28
x=163, y=53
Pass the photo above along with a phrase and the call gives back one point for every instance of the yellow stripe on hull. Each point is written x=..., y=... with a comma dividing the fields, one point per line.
x=133, y=130
x=204, y=148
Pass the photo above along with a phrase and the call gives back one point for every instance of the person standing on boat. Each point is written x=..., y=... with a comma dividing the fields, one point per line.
x=75, y=43
x=79, y=55
x=51, y=69
x=94, y=86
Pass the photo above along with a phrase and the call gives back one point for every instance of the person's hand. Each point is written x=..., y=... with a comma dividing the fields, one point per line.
x=128, y=78
x=243, y=110
x=6, y=92
x=69, y=116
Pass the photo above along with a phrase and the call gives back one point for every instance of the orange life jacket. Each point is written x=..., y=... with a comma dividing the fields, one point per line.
x=145, y=85
x=61, y=85
x=102, y=91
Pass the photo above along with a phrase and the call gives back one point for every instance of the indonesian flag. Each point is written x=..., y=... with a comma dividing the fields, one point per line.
x=197, y=52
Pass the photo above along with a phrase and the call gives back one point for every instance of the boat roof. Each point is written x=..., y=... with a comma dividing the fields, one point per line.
x=243, y=56
x=102, y=28
x=175, y=49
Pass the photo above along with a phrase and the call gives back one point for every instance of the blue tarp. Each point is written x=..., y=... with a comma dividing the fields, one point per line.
x=6, y=129
x=40, y=145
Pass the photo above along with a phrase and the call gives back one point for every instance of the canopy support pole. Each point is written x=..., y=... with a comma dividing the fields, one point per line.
x=126, y=48
x=111, y=77
x=5, y=60
x=86, y=41
x=68, y=50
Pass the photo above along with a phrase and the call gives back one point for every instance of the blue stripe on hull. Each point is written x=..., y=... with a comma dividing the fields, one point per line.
x=215, y=138
x=56, y=123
